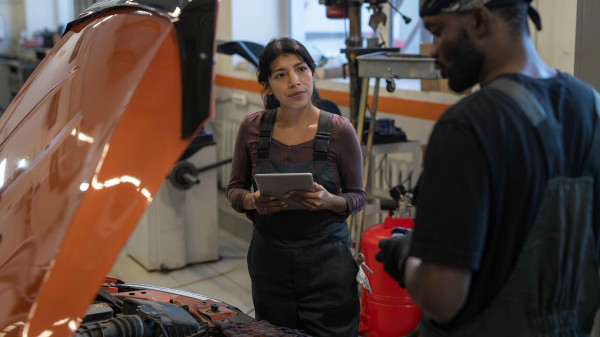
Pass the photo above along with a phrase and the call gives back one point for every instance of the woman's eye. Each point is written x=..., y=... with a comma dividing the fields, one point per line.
x=303, y=68
x=280, y=75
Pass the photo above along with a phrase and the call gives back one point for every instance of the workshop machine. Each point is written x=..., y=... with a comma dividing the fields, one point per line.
x=84, y=147
x=180, y=227
x=351, y=10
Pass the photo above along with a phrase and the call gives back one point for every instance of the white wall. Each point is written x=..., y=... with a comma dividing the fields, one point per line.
x=64, y=12
x=265, y=13
x=556, y=42
x=40, y=15
x=12, y=17
x=587, y=46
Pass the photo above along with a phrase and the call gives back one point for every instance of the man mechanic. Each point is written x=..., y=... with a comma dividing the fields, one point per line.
x=506, y=239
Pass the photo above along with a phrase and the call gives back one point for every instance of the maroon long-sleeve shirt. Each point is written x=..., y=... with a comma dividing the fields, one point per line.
x=344, y=159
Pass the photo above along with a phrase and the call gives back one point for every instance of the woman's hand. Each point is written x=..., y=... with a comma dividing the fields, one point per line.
x=263, y=204
x=319, y=199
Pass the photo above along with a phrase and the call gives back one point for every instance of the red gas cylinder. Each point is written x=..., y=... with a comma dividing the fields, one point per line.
x=388, y=311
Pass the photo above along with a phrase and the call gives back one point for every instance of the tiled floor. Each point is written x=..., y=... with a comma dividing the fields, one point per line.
x=226, y=280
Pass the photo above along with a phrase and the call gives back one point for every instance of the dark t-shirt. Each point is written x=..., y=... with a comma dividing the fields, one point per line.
x=484, y=174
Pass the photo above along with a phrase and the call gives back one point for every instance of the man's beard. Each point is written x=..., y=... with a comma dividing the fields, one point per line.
x=465, y=65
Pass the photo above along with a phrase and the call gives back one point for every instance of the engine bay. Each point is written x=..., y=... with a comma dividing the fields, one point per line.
x=134, y=310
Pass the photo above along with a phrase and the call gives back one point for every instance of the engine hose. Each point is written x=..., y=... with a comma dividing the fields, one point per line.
x=122, y=326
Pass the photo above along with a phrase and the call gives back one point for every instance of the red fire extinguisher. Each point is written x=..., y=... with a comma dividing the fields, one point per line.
x=388, y=311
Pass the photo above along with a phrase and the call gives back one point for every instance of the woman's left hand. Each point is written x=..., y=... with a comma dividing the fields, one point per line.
x=319, y=199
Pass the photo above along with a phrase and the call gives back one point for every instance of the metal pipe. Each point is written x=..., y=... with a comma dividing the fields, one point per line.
x=213, y=165
x=353, y=41
x=366, y=168
x=362, y=108
x=190, y=178
x=359, y=133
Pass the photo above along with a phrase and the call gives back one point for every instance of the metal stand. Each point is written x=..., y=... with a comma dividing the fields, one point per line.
x=388, y=65
x=356, y=83
x=366, y=165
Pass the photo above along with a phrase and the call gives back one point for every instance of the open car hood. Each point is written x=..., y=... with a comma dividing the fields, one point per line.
x=85, y=145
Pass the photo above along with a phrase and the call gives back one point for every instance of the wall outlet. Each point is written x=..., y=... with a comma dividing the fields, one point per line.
x=239, y=99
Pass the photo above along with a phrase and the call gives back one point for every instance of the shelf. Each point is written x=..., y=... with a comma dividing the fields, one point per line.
x=396, y=65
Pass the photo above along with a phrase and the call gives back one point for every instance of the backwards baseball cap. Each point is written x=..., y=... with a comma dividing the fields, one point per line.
x=432, y=7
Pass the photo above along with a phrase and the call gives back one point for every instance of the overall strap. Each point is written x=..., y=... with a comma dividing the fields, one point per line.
x=535, y=112
x=265, y=134
x=322, y=138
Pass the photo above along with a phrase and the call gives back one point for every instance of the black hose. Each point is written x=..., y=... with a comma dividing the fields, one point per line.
x=213, y=165
x=122, y=326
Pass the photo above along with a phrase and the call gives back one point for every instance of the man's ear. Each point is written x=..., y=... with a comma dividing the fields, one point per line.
x=480, y=21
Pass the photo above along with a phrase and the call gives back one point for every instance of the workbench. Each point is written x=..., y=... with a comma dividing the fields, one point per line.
x=373, y=213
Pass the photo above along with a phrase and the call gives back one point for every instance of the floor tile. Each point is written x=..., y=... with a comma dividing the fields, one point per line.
x=231, y=246
x=124, y=266
x=241, y=277
x=193, y=273
x=227, y=264
x=129, y=271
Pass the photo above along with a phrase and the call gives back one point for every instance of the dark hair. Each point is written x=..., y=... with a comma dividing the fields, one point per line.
x=516, y=17
x=274, y=49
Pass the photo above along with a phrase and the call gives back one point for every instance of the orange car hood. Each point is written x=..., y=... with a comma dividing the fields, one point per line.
x=85, y=145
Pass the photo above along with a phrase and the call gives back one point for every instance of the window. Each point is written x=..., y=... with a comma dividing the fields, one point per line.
x=323, y=37
x=408, y=36
x=306, y=21
x=258, y=22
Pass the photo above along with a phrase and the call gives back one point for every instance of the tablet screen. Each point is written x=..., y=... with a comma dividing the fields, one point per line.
x=278, y=184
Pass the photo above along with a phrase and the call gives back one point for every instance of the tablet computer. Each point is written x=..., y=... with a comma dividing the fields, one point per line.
x=278, y=184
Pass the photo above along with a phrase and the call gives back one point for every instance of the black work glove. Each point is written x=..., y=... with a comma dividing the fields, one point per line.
x=394, y=252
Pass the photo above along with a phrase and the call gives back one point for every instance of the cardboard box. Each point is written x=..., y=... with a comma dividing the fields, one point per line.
x=441, y=84
x=425, y=49
x=330, y=72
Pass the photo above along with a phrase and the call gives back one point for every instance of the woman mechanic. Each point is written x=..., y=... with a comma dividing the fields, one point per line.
x=300, y=261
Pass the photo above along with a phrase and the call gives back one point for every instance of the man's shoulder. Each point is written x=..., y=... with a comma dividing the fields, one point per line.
x=477, y=102
x=562, y=84
x=573, y=82
x=491, y=100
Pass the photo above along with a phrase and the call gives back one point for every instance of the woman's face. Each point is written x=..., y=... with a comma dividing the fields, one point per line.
x=291, y=81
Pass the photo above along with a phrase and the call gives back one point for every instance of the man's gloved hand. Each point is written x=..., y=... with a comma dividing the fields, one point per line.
x=394, y=252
